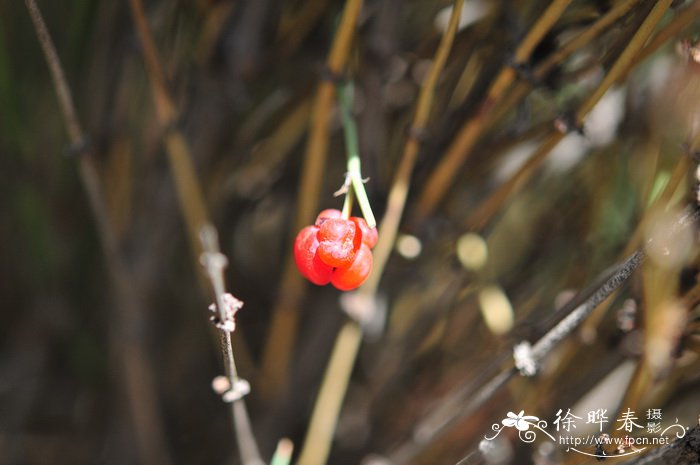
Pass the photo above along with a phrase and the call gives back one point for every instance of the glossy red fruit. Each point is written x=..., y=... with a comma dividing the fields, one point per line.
x=339, y=240
x=353, y=276
x=369, y=236
x=307, y=259
x=327, y=214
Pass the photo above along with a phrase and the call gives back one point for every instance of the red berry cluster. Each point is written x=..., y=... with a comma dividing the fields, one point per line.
x=335, y=250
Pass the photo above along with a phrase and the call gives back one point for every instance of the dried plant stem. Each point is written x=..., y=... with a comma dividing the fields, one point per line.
x=285, y=315
x=214, y=262
x=554, y=336
x=335, y=382
x=136, y=371
x=488, y=208
x=319, y=437
x=683, y=19
x=557, y=57
x=283, y=453
x=444, y=174
x=194, y=210
x=455, y=408
x=402, y=180
x=605, y=21
x=464, y=402
x=626, y=58
x=483, y=212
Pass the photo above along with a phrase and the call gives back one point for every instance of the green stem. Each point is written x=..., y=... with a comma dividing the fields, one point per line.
x=353, y=152
x=283, y=454
x=347, y=204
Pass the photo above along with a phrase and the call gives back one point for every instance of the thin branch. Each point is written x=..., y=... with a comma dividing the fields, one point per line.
x=319, y=437
x=226, y=306
x=60, y=84
x=402, y=180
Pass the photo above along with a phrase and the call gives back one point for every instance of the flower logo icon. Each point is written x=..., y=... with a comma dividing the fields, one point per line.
x=521, y=421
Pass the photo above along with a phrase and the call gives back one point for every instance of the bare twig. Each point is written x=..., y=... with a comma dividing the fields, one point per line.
x=225, y=308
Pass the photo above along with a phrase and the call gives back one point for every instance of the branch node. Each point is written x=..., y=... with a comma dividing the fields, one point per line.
x=225, y=318
x=524, y=71
x=79, y=148
x=328, y=75
x=239, y=390
x=419, y=134
x=345, y=187
x=524, y=358
x=566, y=123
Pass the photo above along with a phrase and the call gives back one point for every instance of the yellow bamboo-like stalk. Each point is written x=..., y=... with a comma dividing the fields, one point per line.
x=461, y=147
x=319, y=437
x=522, y=87
x=187, y=185
x=488, y=208
x=682, y=20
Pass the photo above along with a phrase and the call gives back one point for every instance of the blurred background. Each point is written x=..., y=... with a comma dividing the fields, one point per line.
x=107, y=354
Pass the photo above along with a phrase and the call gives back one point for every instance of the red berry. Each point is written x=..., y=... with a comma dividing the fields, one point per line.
x=338, y=242
x=351, y=277
x=369, y=236
x=307, y=259
x=327, y=214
